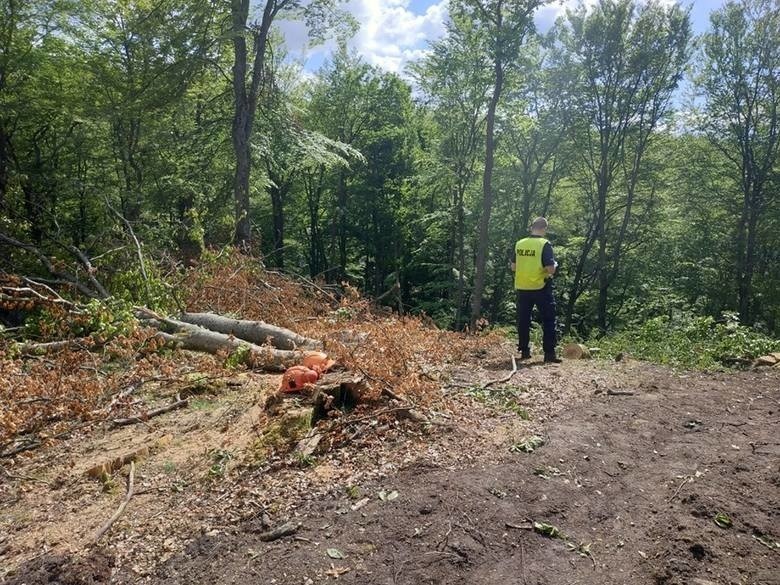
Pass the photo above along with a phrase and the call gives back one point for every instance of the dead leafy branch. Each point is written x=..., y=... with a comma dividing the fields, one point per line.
x=57, y=379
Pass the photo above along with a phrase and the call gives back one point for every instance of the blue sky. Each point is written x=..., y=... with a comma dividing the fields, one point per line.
x=394, y=32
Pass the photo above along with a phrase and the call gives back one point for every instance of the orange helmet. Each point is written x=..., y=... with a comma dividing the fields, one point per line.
x=297, y=377
x=318, y=361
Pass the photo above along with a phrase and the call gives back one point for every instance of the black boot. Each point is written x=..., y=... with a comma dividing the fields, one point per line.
x=525, y=354
x=551, y=358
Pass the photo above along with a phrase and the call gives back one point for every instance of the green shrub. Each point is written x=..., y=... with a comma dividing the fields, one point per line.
x=687, y=340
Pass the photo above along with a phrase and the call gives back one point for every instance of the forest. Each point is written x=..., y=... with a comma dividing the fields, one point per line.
x=257, y=316
x=137, y=135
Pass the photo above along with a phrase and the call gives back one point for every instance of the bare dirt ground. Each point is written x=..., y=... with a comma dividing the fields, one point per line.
x=637, y=461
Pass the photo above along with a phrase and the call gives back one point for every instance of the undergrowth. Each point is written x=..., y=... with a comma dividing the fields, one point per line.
x=43, y=394
x=690, y=341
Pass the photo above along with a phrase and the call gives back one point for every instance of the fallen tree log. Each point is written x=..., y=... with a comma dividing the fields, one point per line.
x=197, y=338
x=256, y=332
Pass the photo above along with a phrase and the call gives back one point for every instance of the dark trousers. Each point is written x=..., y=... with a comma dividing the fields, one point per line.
x=545, y=300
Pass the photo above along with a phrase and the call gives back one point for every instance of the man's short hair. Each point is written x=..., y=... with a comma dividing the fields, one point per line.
x=540, y=223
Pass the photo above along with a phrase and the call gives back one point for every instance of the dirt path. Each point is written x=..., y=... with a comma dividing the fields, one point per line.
x=637, y=462
x=639, y=476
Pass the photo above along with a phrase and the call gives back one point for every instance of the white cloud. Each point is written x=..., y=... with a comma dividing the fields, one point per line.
x=548, y=14
x=391, y=33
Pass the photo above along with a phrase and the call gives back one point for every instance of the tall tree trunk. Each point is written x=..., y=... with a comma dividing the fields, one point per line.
x=277, y=207
x=499, y=293
x=740, y=246
x=313, y=188
x=603, y=183
x=748, y=252
x=341, y=209
x=487, y=198
x=243, y=232
x=245, y=105
x=5, y=156
x=576, y=288
x=461, y=234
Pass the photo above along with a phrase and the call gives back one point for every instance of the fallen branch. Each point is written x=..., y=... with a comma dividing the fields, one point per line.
x=505, y=378
x=122, y=506
x=390, y=393
x=10, y=475
x=412, y=415
x=138, y=250
x=59, y=277
x=90, y=270
x=396, y=288
x=30, y=349
x=121, y=422
x=306, y=282
x=56, y=299
x=28, y=446
x=677, y=491
x=119, y=397
x=287, y=529
x=31, y=444
x=620, y=393
x=387, y=390
x=528, y=526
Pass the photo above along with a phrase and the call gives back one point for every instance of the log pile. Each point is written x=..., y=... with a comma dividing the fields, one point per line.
x=211, y=333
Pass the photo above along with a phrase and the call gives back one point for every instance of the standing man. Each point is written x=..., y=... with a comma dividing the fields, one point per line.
x=534, y=266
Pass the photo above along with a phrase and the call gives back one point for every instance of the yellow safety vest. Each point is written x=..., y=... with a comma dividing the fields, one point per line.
x=529, y=272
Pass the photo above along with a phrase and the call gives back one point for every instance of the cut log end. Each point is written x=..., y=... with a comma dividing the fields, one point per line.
x=576, y=351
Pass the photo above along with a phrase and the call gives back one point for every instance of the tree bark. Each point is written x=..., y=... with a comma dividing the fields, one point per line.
x=252, y=331
x=576, y=288
x=196, y=338
x=341, y=203
x=4, y=162
x=487, y=198
x=745, y=287
x=461, y=235
x=313, y=187
x=278, y=193
x=245, y=105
